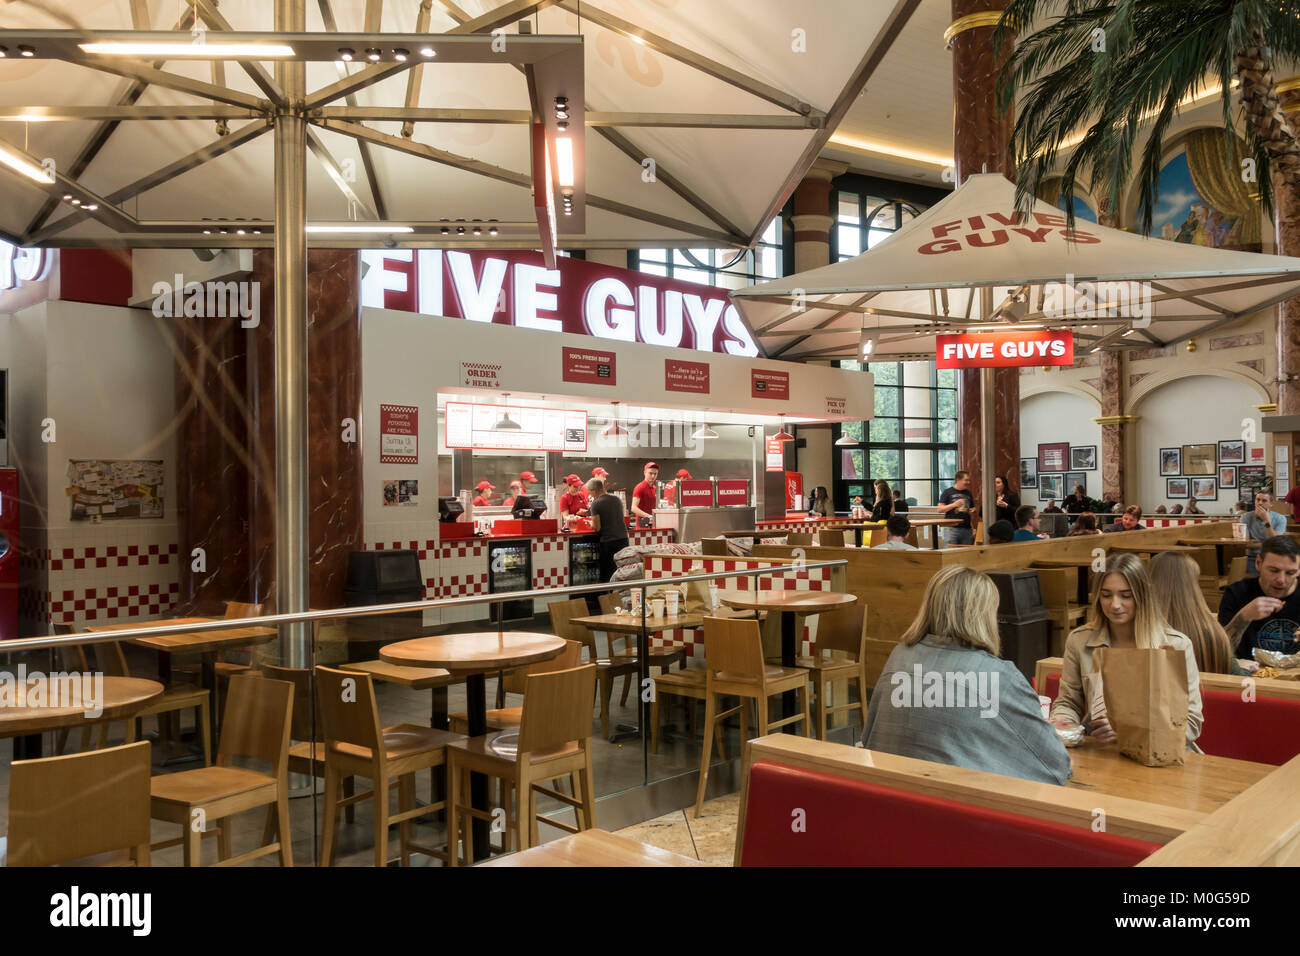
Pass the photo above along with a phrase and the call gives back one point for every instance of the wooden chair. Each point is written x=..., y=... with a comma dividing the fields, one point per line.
x=514, y=682
x=226, y=668
x=174, y=699
x=623, y=647
x=714, y=547
x=1236, y=570
x=554, y=742
x=92, y=808
x=688, y=685
x=840, y=632
x=355, y=745
x=607, y=668
x=1059, y=587
x=799, y=538
x=831, y=538
x=255, y=726
x=734, y=666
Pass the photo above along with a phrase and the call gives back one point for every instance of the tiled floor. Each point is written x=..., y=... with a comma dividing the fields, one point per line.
x=710, y=839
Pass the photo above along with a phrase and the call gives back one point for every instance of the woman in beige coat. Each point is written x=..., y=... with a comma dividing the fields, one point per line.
x=1124, y=614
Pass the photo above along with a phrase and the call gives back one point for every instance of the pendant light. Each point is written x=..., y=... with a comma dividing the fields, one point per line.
x=614, y=429
x=783, y=435
x=846, y=441
x=504, y=423
x=704, y=432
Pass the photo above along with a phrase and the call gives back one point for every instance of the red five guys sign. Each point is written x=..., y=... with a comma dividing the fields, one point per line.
x=1004, y=349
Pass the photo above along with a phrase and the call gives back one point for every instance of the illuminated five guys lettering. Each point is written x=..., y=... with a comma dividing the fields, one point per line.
x=21, y=265
x=577, y=297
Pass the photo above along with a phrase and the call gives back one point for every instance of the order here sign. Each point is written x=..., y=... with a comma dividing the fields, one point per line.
x=1004, y=349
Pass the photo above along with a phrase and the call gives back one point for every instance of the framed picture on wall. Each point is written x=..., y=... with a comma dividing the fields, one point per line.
x=1171, y=461
x=1049, y=486
x=1199, y=459
x=1075, y=478
x=1083, y=458
x=1203, y=488
x=1232, y=452
x=1177, y=488
x=1227, y=476
x=1028, y=472
x=1054, y=456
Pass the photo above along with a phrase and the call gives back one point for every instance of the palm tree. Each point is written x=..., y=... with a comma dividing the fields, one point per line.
x=1106, y=67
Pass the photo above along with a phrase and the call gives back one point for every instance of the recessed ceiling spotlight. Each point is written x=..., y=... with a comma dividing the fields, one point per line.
x=561, y=102
x=400, y=55
x=460, y=230
x=372, y=55
x=444, y=230
x=478, y=230
x=428, y=51
x=67, y=196
x=4, y=52
x=561, y=124
x=346, y=54
x=225, y=231
x=207, y=232
x=239, y=232
x=257, y=232
x=27, y=50
x=76, y=202
x=492, y=231
x=561, y=114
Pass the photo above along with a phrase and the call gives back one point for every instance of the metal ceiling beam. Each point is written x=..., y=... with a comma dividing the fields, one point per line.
x=136, y=70
x=333, y=170
x=880, y=45
x=374, y=15
x=653, y=41
x=357, y=81
x=855, y=304
x=367, y=161
x=81, y=114
x=64, y=184
x=415, y=78
x=502, y=16
x=504, y=175
x=101, y=134
x=140, y=15
x=218, y=147
x=593, y=118
x=208, y=13
x=453, y=11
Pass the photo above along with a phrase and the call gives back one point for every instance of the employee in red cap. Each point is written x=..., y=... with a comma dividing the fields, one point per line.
x=670, y=493
x=645, y=496
x=574, y=501
x=484, y=498
x=516, y=488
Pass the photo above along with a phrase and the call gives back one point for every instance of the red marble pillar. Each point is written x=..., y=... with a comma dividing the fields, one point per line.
x=213, y=450
x=1287, y=214
x=813, y=217
x=982, y=142
x=334, y=394
x=1113, y=455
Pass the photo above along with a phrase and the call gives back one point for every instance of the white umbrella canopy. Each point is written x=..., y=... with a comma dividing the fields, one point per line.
x=1097, y=281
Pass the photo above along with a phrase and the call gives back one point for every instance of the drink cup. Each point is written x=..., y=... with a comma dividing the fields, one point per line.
x=637, y=594
x=657, y=608
x=1046, y=704
x=671, y=605
x=713, y=596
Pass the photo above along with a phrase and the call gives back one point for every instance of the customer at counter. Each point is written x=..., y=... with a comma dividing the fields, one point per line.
x=575, y=500
x=607, y=521
x=484, y=497
x=992, y=721
x=645, y=496
x=957, y=502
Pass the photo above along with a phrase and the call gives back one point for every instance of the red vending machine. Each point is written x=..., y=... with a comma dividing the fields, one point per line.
x=8, y=553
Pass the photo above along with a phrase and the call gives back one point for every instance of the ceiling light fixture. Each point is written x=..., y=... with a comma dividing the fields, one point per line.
x=4, y=52
x=346, y=54
x=92, y=207
x=28, y=169
x=614, y=429
x=783, y=435
x=505, y=423
x=564, y=160
x=845, y=440
x=204, y=51
x=372, y=55
x=400, y=55
x=492, y=231
x=703, y=433
x=428, y=51
x=26, y=50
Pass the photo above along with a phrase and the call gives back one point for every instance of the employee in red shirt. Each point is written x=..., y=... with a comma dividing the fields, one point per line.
x=575, y=500
x=645, y=496
x=484, y=498
x=670, y=493
x=516, y=488
x=602, y=475
x=1293, y=499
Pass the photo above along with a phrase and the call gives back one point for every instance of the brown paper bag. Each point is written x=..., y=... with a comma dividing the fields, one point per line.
x=1146, y=702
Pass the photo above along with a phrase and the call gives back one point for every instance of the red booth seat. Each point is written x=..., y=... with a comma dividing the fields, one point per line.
x=852, y=823
x=1265, y=730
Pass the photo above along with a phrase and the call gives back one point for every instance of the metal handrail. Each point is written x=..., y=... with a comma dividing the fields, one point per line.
x=375, y=610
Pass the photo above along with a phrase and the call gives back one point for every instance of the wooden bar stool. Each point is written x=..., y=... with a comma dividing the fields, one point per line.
x=356, y=746
x=689, y=686
x=799, y=538
x=734, y=666
x=255, y=725
x=91, y=808
x=607, y=668
x=840, y=632
x=554, y=741
x=174, y=699
x=514, y=682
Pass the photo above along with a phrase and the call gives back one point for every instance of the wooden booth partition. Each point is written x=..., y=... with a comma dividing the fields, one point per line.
x=891, y=583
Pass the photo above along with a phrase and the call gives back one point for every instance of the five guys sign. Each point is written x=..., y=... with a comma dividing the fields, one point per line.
x=584, y=298
x=1004, y=349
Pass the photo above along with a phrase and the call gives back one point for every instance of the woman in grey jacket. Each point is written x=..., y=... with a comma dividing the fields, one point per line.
x=946, y=696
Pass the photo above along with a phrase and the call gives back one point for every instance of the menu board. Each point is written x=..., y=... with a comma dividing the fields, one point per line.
x=515, y=427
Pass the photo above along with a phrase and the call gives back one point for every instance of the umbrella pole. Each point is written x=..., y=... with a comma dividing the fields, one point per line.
x=988, y=498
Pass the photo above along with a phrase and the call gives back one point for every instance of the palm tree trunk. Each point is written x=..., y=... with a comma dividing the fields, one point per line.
x=1263, y=112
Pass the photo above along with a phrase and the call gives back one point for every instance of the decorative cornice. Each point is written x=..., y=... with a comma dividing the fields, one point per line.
x=1117, y=419
x=1268, y=408
x=972, y=21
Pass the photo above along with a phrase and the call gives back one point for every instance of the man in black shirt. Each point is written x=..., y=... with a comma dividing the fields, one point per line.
x=607, y=519
x=1265, y=611
x=957, y=502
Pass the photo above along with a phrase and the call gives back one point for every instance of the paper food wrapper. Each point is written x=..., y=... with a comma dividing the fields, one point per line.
x=1145, y=694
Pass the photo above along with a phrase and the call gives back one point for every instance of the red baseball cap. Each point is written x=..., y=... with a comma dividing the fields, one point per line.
x=651, y=464
x=517, y=484
x=598, y=472
x=527, y=476
x=573, y=480
x=485, y=485
x=683, y=473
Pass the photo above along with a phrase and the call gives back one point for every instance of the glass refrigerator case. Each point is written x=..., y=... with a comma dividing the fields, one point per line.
x=584, y=560
x=510, y=568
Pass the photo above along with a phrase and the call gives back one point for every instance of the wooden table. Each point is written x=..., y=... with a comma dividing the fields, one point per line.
x=207, y=644
x=121, y=696
x=472, y=655
x=1150, y=548
x=1084, y=565
x=1204, y=782
x=1220, y=547
x=594, y=848
x=793, y=606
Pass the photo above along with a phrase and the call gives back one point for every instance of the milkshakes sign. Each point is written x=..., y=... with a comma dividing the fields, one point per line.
x=1004, y=349
x=583, y=298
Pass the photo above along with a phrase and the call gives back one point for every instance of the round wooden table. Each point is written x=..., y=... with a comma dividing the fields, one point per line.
x=65, y=707
x=474, y=654
x=793, y=606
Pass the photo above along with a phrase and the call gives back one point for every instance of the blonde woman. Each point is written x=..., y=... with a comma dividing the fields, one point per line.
x=945, y=695
x=1176, y=584
x=1124, y=614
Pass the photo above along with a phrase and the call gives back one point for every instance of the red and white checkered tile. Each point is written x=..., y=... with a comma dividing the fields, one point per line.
x=112, y=603
x=111, y=556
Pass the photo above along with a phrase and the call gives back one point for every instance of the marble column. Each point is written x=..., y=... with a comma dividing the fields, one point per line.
x=213, y=463
x=1287, y=215
x=1114, y=447
x=334, y=394
x=982, y=142
x=813, y=217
